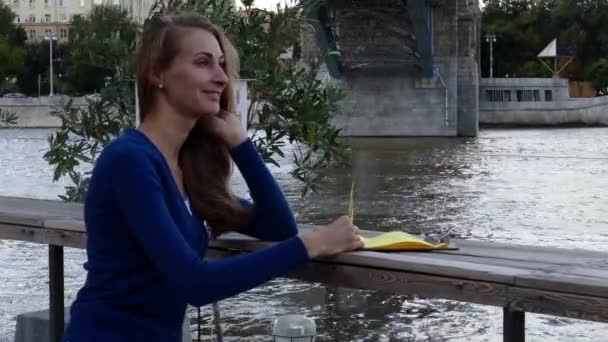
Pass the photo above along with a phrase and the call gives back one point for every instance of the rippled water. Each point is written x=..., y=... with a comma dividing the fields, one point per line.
x=521, y=186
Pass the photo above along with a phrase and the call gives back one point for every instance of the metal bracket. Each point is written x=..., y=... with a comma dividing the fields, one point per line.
x=319, y=18
x=420, y=12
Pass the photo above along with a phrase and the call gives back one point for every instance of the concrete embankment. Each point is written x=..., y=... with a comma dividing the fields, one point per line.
x=35, y=112
x=580, y=111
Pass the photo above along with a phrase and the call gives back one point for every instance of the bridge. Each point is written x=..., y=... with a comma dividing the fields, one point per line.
x=408, y=67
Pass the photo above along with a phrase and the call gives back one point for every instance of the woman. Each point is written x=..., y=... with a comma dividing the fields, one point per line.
x=158, y=193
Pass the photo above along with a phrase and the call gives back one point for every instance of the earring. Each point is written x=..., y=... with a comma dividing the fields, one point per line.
x=161, y=86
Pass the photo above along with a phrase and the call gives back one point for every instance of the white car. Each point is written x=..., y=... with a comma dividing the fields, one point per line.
x=14, y=95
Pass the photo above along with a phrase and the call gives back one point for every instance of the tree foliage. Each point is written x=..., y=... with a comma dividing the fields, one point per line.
x=524, y=27
x=101, y=46
x=37, y=62
x=8, y=29
x=288, y=104
x=12, y=38
x=598, y=75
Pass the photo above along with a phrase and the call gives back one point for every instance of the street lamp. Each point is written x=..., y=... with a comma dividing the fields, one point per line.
x=491, y=38
x=50, y=37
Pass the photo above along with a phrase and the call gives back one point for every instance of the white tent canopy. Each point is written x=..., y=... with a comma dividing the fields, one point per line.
x=555, y=52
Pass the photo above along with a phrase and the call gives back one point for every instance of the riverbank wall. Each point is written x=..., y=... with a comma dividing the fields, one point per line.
x=580, y=111
x=35, y=112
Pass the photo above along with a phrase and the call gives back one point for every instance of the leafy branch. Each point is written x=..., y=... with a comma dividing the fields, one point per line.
x=288, y=105
x=7, y=118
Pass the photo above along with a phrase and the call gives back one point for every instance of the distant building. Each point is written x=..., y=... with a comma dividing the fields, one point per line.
x=137, y=9
x=41, y=18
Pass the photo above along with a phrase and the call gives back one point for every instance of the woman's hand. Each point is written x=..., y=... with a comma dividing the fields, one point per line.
x=335, y=238
x=227, y=126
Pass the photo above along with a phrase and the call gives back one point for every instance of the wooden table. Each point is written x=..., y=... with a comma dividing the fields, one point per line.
x=560, y=282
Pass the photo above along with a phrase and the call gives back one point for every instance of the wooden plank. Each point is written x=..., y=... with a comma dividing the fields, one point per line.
x=23, y=233
x=531, y=265
x=43, y=236
x=517, y=252
x=565, y=283
x=65, y=224
x=403, y=283
x=34, y=211
x=66, y=238
x=560, y=256
x=531, y=274
x=517, y=299
x=418, y=262
x=41, y=207
x=497, y=250
x=24, y=219
x=513, y=325
x=395, y=282
x=584, y=307
x=426, y=263
x=558, y=304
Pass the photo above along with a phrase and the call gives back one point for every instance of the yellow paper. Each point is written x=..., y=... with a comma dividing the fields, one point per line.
x=399, y=241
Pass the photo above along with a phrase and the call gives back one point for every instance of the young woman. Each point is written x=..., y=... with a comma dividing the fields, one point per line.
x=159, y=192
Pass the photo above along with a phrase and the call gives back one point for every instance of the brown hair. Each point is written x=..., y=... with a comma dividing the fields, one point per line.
x=205, y=160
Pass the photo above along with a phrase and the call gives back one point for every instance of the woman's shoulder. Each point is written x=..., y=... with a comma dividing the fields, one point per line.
x=124, y=163
x=130, y=148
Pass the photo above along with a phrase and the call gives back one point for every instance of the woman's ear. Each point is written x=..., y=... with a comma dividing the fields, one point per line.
x=156, y=79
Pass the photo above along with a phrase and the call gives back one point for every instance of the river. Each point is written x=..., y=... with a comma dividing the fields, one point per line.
x=525, y=186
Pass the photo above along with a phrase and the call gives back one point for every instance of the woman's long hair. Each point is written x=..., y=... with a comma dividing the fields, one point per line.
x=205, y=160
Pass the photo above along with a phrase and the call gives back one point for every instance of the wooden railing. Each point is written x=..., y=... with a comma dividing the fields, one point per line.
x=559, y=282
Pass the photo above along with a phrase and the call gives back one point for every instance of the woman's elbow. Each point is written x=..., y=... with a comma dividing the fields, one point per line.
x=292, y=229
x=289, y=229
x=197, y=301
x=197, y=295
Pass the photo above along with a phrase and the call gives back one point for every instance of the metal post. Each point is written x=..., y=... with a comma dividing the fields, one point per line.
x=491, y=38
x=51, y=62
x=56, y=312
x=137, y=113
x=491, y=61
x=514, y=326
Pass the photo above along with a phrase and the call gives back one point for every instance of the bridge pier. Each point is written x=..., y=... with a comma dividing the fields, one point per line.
x=384, y=103
x=385, y=49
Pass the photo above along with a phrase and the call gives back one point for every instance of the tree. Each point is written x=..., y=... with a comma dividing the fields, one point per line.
x=598, y=75
x=11, y=63
x=11, y=51
x=288, y=104
x=525, y=27
x=37, y=61
x=13, y=33
x=100, y=46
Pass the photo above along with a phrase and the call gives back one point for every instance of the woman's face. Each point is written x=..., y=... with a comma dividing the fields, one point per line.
x=194, y=82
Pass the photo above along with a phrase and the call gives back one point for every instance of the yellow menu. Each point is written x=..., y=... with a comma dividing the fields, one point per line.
x=400, y=241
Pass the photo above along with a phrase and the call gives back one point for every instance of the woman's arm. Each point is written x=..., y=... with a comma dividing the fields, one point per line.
x=138, y=192
x=272, y=218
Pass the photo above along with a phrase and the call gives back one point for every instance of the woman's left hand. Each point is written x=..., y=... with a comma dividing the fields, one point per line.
x=227, y=126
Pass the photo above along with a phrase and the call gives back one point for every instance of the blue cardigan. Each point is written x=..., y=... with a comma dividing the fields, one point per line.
x=145, y=250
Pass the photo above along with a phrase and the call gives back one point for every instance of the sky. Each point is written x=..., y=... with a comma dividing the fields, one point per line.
x=268, y=4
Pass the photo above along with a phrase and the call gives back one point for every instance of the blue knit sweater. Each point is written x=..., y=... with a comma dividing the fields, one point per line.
x=145, y=250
